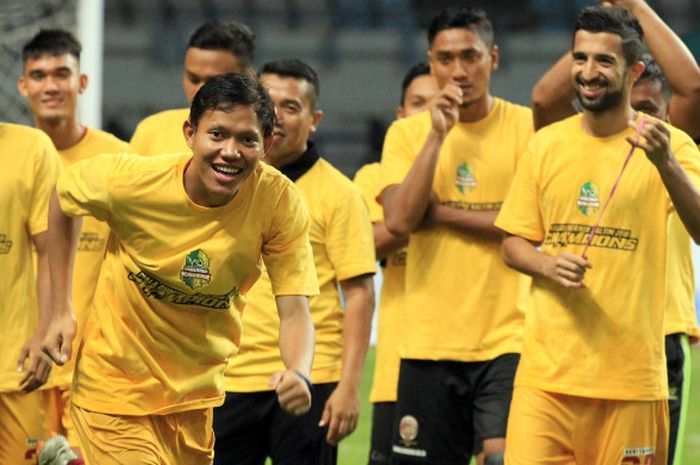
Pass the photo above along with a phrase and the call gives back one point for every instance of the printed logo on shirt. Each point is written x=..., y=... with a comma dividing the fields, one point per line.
x=153, y=288
x=90, y=242
x=639, y=456
x=588, y=201
x=465, y=180
x=195, y=273
x=5, y=244
x=563, y=235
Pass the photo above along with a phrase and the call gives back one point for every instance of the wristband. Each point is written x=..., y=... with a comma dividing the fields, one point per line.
x=308, y=382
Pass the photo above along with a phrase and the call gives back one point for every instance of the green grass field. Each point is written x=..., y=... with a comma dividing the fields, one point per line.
x=354, y=450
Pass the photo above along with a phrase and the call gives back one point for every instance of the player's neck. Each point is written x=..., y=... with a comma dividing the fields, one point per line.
x=64, y=133
x=609, y=122
x=477, y=110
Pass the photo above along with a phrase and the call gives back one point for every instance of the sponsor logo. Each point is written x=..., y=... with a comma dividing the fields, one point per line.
x=588, y=201
x=639, y=456
x=563, y=235
x=398, y=258
x=465, y=182
x=5, y=244
x=155, y=289
x=475, y=206
x=408, y=430
x=195, y=273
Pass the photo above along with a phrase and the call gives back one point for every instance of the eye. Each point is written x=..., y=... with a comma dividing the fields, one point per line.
x=216, y=134
x=249, y=141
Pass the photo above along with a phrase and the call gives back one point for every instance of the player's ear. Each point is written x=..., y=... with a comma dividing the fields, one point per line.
x=83, y=83
x=22, y=86
x=495, y=57
x=400, y=113
x=318, y=116
x=188, y=131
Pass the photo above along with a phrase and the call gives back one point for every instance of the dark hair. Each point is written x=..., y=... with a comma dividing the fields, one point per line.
x=474, y=19
x=419, y=69
x=51, y=42
x=226, y=91
x=295, y=69
x=653, y=73
x=230, y=36
x=618, y=21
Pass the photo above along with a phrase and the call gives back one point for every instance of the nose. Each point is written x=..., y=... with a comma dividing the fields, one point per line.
x=50, y=84
x=229, y=148
x=589, y=70
x=459, y=70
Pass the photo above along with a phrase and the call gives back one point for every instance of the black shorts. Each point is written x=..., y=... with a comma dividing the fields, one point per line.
x=675, y=360
x=382, y=433
x=445, y=408
x=249, y=427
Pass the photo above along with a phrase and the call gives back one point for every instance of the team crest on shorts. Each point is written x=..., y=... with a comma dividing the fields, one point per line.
x=5, y=244
x=588, y=201
x=408, y=430
x=465, y=182
x=195, y=273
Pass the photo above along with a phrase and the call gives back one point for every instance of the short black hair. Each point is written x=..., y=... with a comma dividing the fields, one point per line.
x=230, y=36
x=474, y=19
x=229, y=90
x=51, y=42
x=653, y=73
x=419, y=69
x=618, y=21
x=295, y=69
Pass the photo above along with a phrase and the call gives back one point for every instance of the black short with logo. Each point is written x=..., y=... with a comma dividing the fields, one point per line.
x=445, y=408
x=249, y=427
x=382, y=433
x=675, y=360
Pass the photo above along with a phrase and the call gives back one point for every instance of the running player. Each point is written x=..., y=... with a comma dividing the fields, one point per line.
x=30, y=165
x=675, y=100
x=52, y=83
x=453, y=165
x=591, y=386
x=250, y=426
x=417, y=90
x=188, y=233
x=215, y=48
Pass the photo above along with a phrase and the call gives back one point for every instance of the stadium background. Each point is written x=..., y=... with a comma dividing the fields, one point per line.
x=133, y=53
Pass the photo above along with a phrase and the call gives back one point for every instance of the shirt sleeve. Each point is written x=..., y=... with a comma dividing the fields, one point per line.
x=83, y=188
x=138, y=143
x=286, y=250
x=367, y=180
x=520, y=214
x=398, y=154
x=349, y=238
x=45, y=172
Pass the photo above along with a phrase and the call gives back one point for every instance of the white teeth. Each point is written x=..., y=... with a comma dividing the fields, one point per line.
x=230, y=170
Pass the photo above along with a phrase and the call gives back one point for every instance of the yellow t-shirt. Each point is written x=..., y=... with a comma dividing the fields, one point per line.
x=343, y=247
x=93, y=240
x=161, y=133
x=681, y=316
x=166, y=312
x=462, y=303
x=604, y=340
x=391, y=303
x=30, y=165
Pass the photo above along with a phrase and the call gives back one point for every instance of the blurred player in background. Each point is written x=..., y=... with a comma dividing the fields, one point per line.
x=52, y=83
x=251, y=426
x=417, y=90
x=215, y=48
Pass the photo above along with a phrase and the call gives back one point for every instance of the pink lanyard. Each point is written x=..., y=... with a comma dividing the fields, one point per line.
x=640, y=125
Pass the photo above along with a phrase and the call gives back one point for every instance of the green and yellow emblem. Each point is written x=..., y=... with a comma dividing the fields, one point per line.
x=465, y=181
x=195, y=273
x=588, y=201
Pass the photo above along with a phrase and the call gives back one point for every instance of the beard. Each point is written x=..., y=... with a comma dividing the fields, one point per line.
x=609, y=100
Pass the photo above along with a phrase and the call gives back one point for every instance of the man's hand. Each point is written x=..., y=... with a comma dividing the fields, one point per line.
x=292, y=391
x=59, y=338
x=629, y=4
x=35, y=365
x=567, y=269
x=341, y=413
x=655, y=140
x=430, y=218
x=444, y=109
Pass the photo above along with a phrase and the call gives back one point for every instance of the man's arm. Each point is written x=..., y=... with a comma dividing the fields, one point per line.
x=522, y=255
x=655, y=141
x=296, y=343
x=63, y=235
x=36, y=372
x=406, y=204
x=478, y=223
x=676, y=62
x=553, y=94
x=343, y=406
x=386, y=243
